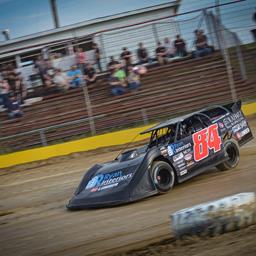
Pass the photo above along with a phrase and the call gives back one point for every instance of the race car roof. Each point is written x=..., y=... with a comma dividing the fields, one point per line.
x=180, y=119
x=169, y=122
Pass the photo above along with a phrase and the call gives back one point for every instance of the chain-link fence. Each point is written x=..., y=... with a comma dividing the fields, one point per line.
x=232, y=67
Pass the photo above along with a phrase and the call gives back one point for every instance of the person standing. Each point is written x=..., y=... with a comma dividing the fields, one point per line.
x=161, y=54
x=81, y=59
x=97, y=54
x=126, y=56
x=180, y=46
x=142, y=54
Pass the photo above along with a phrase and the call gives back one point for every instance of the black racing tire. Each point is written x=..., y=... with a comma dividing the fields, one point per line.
x=232, y=150
x=163, y=176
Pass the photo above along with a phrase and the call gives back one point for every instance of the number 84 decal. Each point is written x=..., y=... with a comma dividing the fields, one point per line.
x=205, y=140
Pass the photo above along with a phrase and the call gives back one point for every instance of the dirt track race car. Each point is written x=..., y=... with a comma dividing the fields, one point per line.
x=178, y=150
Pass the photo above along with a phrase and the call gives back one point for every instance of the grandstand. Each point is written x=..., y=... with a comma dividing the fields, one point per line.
x=183, y=85
x=165, y=91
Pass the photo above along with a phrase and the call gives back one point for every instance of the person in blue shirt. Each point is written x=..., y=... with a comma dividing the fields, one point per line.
x=75, y=77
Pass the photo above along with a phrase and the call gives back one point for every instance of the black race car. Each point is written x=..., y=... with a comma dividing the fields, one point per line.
x=178, y=149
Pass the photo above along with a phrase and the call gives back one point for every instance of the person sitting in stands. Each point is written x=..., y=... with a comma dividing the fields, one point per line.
x=180, y=46
x=142, y=54
x=4, y=93
x=60, y=79
x=170, y=50
x=161, y=54
x=90, y=75
x=133, y=78
x=14, y=110
x=117, y=82
x=126, y=56
x=201, y=45
x=112, y=64
x=74, y=75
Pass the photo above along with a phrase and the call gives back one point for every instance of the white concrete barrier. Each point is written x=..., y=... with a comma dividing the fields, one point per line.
x=216, y=217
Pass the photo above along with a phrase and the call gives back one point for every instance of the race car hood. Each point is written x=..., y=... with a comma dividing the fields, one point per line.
x=113, y=183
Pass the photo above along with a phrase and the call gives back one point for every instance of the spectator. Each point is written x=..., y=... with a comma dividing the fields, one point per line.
x=161, y=54
x=170, y=50
x=126, y=56
x=4, y=94
x=90, y=75
x=41, y=67
x=14, y=110
x=81, y=59
x=120, y=74
x=117, y=82
x=97, y=55
x=142, y=54
x=15, y=81
x=112, y=64
x=10, y=75
x=201, y=44
x=133, y=78
x=20, y=89
x=180, y=46
x=60, y=79
x=74, y=75
x=45, y=71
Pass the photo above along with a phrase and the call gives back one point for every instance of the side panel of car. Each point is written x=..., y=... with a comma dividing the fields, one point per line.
x=237, y=126
x=197, y=151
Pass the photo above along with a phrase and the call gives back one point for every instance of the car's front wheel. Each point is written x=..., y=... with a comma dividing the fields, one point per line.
x=232, y=150
x=163, y=176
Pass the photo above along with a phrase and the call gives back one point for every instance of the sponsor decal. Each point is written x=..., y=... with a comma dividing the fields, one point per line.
x=244, y=132
x=179, y=161
x=186, y=151
x=183, y=172
x=190, y=162
x=182, y=165
x=239, y=126
x=177, y=157
x=177, y=148
x=107, y=180
x=189, y=159
x=188, y=156
x=205, y=140
x=233, y=119
x=221, y=125
x=170, y=150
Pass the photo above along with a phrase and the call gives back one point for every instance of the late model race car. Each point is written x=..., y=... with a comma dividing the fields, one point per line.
x=178, y=150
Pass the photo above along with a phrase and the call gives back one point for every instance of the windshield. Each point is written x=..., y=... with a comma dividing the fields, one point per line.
x=162, y=136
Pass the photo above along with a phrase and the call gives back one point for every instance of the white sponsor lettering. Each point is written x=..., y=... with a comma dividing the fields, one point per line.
x=178, y=157
x=242, y=133
x=183, y=172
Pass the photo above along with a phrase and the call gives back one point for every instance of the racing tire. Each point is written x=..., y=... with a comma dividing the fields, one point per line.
x=232, y=151
x=163, y=176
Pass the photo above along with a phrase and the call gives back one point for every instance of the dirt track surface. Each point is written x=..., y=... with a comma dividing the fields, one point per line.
x=34, y=221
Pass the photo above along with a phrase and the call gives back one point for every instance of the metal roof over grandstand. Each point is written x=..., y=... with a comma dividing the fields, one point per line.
x=8, y=48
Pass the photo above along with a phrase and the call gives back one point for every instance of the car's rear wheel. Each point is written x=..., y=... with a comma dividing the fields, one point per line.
x=163, y=176
x=232, y=150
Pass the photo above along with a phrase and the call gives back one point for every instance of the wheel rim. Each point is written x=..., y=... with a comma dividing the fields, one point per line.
x=232, y=155
x=164, y=177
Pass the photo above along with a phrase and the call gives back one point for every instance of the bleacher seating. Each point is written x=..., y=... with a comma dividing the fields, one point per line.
x=180, y=86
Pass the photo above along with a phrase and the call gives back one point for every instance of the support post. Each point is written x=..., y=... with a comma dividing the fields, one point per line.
x=89, y=109
x=43, y=138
